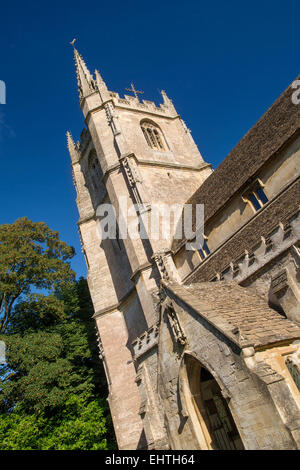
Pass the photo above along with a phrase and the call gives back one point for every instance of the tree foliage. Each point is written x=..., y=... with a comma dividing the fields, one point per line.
x=78, y=425
x=31, y=257
x=53, y=378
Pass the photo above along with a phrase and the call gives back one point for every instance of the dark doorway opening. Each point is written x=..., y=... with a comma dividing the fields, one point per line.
x=212, y=409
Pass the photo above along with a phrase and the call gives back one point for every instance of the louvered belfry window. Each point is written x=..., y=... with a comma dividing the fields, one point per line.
x=153, y=136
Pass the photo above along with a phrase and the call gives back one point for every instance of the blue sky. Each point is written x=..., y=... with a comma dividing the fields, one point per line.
x=222, y=63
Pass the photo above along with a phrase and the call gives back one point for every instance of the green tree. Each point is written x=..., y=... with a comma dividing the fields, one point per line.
x=32, y=257
x=53, y=378
x=78, y=425
x=50, y=357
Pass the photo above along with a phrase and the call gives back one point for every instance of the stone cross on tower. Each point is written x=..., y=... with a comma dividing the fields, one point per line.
x=133, y=90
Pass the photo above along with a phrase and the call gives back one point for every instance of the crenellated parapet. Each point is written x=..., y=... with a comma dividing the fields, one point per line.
x=268, y=247
x=166, y=108
x=146, y=341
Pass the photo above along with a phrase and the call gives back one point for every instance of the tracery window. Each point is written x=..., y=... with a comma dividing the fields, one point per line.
x=153, y=136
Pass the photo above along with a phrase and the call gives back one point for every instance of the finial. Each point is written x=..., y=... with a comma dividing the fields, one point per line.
x=167, y=101
x=98, y=76
x=72, y=147
x=84, y=78
x=70, y=142
x=165, y=97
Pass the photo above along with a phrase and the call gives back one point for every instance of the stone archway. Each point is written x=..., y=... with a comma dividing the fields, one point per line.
x=209, y=411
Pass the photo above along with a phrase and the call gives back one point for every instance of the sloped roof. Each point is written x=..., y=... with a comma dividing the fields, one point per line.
x=263, y=140
x=238, y=312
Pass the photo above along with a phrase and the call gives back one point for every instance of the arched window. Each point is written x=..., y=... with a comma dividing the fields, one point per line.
x=153, y=136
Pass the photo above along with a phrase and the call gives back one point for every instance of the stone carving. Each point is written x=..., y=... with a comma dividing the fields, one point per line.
x=131, y=180
x=112, y=118
x=160, y=262
x=177, y=330
x=134, y=179
x=100, y=345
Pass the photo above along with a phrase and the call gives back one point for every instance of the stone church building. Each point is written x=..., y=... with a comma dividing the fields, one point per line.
x=201, y=347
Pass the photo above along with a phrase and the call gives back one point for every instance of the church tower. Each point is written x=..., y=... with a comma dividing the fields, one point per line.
x=141, y=154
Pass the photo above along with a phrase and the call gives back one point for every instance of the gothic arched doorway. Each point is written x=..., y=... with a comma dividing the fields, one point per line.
x=210, y=409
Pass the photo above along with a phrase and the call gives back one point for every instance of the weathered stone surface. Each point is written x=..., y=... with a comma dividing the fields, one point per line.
x=193, y=364
x=239, y=313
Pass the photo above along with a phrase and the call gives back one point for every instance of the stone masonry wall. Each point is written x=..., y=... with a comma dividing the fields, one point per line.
x=255, y=414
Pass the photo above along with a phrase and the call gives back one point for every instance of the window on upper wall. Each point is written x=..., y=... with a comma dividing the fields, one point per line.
x=255, y=196
x=204, y=250
x=153, y=136
x=293, y=368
